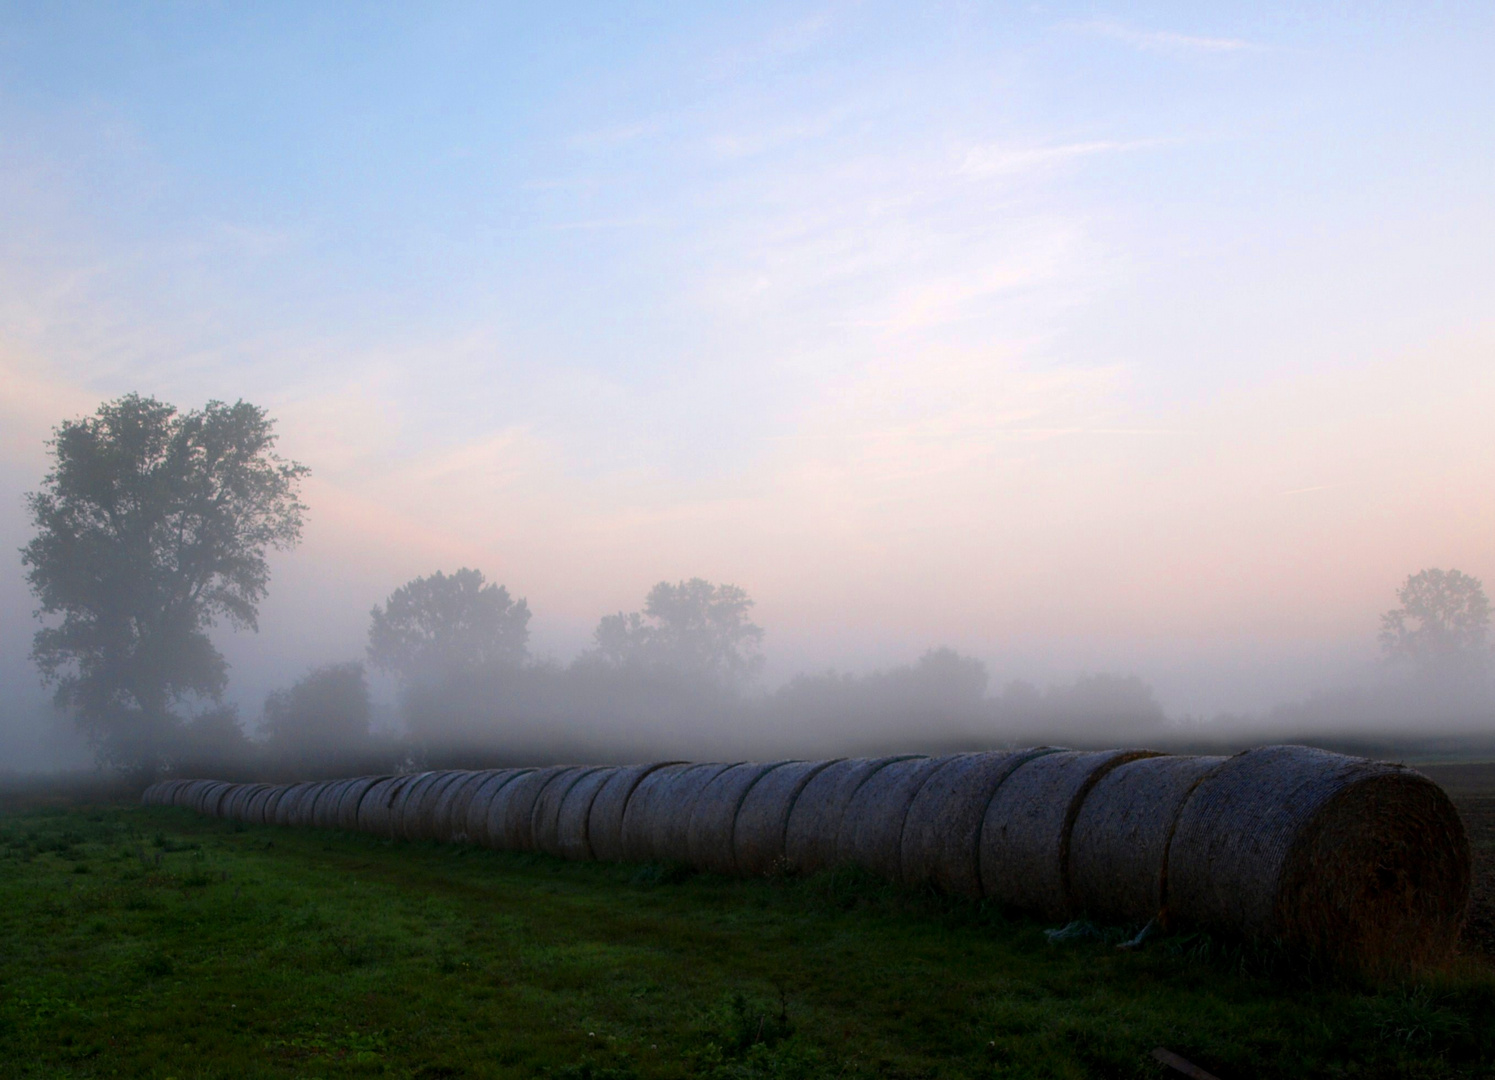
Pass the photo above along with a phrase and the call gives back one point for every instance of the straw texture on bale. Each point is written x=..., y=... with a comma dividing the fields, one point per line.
x=815, y=821
x=281, y=813
x=254, y=811
x=942, y=834
x=676, y=804
x=449, y=822
x=1119, y=843
x=1025, y=837
x=233, y=803
x=272, y=801
x=306, y=809
x=250, y=802
x=573, y=820
x=324, y=811
x=402, y=806
x=511, y=814
x=709, y=843
x=763, y=818
x=547, y=815
x=1365, y=865
x=374, y=811
x=605, y=821
x=345, y=815
x=476, y=826
x=871, y=830
x=642, y=815
x=211, y=797
x=422, y=825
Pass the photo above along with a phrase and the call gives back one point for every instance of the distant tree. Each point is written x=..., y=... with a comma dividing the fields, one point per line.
x=326, y=712
x=443, y=625
x=151, y=526
x=1443, y=622
x=693, y=628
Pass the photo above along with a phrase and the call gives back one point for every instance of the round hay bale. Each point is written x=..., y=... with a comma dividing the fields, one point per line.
x=643, y=811
x=420, y=823
x=712, y=824
x=405, y=805
x=187, y=794
x=154, y=795
x=346, y=817
x=196, y=795
x=1360, y=864
x=293, y=808
x=1119, y=842
x=306, y=809
x=546, y=818
x=288, y=800
x=211, y=797
x=374, y=809
x=255, y=812
x=609, y=807
x=451, y=808
x=272, y=803
x=942, y=833
x=815, y=821
x=1025, y=836
x=676, y=805
x=481, y=802
x=871, y=833
x=237, y=807
x=324, y=810
x=229, y=797
x=573, y=820
x=763, y=818
x=511, y=814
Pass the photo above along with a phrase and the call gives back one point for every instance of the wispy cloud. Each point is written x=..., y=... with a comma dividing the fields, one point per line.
x=1164, y=41
x=1011, y=160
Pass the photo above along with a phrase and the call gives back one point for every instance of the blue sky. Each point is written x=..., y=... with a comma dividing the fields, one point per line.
x=1149, y=336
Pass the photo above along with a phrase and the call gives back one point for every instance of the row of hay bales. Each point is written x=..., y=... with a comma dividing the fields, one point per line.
x=1362, y=863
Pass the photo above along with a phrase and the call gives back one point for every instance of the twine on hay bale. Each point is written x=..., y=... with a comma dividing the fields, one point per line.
x=481, y=803
x=708, y=842
x=451, y=808
x=1119, y=842
x=609, y=807
x=1025, y=836
x=677, y=805
x=547, y=812
x=815, y=821
x=573, y=819
x=871, y=832
x=1361, y=864
x=511, y=820
x=643, y=810
x=763, y=818
x=942, y=833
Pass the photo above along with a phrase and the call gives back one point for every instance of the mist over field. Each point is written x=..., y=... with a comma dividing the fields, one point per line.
x=963, y=377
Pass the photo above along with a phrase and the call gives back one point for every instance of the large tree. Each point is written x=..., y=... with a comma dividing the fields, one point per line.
x=151, y=526
x=1442, y=624
x=692, y=628
x=325, y=714
x=442, y=625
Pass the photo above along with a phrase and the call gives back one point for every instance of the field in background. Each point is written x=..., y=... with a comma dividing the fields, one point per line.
x=151, y=942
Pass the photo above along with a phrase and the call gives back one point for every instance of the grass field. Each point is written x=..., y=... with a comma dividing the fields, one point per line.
x=153, y=943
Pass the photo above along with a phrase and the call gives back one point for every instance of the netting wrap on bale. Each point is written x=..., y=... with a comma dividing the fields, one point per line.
x=942, y=833
x=511, y=821
x=1362, y=864
x=547, y=813
x=478, y=807
x=1025, y=836
x=815, y=821
x=610, y=804
x=1119, y=842
x=677, y=804
x=763, y=817
x=871, y=831
x=643, y=811
x=709, y=843
x=574, y=818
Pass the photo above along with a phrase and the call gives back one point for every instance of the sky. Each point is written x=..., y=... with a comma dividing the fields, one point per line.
x=1152, y=338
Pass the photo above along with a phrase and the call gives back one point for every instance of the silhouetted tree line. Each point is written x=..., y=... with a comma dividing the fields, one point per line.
x=154, y=525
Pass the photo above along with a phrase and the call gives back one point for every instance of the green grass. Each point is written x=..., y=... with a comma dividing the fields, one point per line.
x=152, y=943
